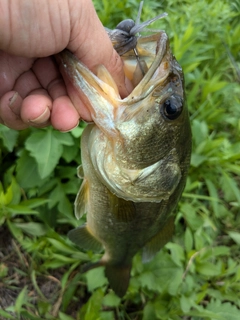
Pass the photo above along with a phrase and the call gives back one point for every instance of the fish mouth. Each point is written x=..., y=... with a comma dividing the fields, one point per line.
x=100, y=93
x=156, y=74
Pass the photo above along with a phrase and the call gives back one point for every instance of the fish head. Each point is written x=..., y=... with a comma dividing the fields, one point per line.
x=141, y=146
x=155, y=112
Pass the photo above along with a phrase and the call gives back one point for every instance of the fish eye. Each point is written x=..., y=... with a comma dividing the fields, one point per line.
x=172, y=108
x=126, y=25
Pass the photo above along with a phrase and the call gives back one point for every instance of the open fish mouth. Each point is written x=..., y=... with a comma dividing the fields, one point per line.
x=152, y=50
x=100, y=93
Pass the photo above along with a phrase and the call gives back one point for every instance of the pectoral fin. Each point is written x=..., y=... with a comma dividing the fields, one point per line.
x=84, y=239
x=81, y=201
x=158, y=241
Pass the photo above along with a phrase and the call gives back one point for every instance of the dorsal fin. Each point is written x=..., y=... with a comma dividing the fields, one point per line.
x=158, y=241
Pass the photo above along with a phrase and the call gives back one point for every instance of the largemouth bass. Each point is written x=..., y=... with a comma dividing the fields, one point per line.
x=135, y=157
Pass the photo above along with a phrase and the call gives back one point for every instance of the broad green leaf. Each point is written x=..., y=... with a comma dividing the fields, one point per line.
x=58, y=196
x=177, y=253
x=209, y=269
x=188, y=240
x=213, y=85
x=61, y=246
x=16, y=232
x=9, y=137
x=25, y=314
x=70, y=288
x=200, y=131
x=77, y=132
x=64, y=138
x=186, y=303
x=46, y=149
x=6, y=197
x=192, y=218
x=111, y=300
x=3, y=270
x=63, y=316
x=149, y=311
x=70, y=153
x=16, y=191
x=197, y=159
x=200, y=314
x=224, y=310
x=27, y=171
x=21, y=300
x=91, y=310
x=106, y=315
x=33, y=228
x=64, y=259
x=34, y=203
x=65, y=277
x=235, y=236
x=161, y=274
x=43, y=307
x=6, y=315
x=20, y=209
x=231, y=188
x=214, y=194
x=96, y=278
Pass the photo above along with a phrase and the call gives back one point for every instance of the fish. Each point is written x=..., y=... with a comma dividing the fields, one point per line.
x=135, y=157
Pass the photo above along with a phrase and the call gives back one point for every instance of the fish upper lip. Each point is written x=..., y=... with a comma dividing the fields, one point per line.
x=143, y=89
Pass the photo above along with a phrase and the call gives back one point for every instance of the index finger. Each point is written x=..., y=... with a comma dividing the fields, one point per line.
x=91, y=44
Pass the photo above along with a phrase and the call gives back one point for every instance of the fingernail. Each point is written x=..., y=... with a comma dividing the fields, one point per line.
x=15, y=103
x=42, y=118
x=13, y=98
x=70, y=129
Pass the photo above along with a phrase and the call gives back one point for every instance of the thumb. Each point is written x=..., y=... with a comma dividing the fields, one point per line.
x=90, y=43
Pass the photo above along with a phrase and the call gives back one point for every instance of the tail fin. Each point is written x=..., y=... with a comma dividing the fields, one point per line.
x=118, y=277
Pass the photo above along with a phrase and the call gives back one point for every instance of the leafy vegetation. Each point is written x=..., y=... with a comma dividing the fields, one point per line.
x=197, y=275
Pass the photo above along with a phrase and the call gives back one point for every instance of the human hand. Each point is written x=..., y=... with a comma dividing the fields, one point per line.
x=32, y=90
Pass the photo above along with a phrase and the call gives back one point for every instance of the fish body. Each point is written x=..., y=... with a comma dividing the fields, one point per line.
x=135, y=157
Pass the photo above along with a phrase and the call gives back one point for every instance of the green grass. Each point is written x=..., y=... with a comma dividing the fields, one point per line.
x=197, y=275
